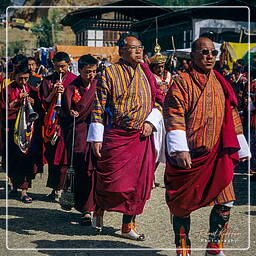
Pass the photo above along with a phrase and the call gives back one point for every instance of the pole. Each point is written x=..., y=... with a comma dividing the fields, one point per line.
x=53, y=35
x=241, y=35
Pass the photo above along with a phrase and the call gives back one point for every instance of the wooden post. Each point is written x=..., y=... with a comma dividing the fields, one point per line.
x=53, y=35
x=241, y=35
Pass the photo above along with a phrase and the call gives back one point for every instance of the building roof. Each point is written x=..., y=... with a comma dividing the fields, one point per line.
x=187, y=14
x=139, y=13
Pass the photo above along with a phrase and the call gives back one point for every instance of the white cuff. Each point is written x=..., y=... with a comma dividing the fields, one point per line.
x=244, y=148
x=177, y=141
x=95, y=132
x=155, y=117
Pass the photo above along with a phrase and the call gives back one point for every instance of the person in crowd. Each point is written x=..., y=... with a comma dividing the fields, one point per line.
x=157, y=67
x=252, y=107
x=78, y=101
x=22, y=148
x=55, y=152
x=204, y=141
x=225, y=72
x=34, y=78
x=126, y=110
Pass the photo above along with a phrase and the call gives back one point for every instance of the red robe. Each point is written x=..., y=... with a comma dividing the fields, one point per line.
x=21, y=167
x=76, y=97
x=56, y=155
x=190, y=189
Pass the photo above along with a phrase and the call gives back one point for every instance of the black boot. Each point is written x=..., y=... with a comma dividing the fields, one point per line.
x=181, y=228
x=219, y=219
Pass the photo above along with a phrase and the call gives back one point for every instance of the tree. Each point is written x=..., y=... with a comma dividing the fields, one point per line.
x=16, y=47
x=47, y=29
x=4, y=4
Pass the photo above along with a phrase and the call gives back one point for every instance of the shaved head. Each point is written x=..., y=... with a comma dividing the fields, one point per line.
x=197, y=44
x=203, y=54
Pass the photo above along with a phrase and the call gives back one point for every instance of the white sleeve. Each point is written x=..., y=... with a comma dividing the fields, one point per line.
x=95, y=132
x=155, y=117
x=244, y=148
x=177, y=141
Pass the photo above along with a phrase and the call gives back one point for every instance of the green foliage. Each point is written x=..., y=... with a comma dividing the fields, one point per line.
x=4, y=4
x=47, y=30
x=16, y=47
x=181, y=2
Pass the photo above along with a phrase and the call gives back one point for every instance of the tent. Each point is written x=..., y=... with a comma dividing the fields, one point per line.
x=231, y=52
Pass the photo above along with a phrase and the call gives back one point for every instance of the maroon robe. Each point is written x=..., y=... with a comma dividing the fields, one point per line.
x=125, y=172
x=56, y=155
x=191, y=189
x=21, y=167
x=84, y=160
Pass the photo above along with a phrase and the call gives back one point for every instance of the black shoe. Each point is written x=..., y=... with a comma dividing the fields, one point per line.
x=53, y=197
x=86, y=219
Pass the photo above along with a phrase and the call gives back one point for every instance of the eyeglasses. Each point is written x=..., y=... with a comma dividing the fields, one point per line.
x=207, y=52
x=134, y=48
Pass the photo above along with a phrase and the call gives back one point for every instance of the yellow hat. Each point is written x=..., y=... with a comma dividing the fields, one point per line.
x=158, y=57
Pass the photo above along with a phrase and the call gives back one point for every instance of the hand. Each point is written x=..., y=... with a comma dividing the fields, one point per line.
x=183, y=159
x=23, y=94
x=58, y=88
x=147, y=129
x=96, y=147
x=74, y=113
x=243, y=159
x=31, y=100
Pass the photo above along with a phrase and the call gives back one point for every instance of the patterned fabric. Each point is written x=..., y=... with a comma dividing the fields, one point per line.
x=129, y=92
x=196, y=105
x=164, y=81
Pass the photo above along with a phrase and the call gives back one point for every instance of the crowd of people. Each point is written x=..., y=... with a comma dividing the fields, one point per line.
x=114, y=123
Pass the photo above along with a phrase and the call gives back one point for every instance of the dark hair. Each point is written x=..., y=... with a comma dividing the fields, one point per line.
x=19, y=59
x=86, y=60
x=122, y=40
x=240, y=61
x=21, y=69
x=237, y=69
x=60, y=56
x=32, y=58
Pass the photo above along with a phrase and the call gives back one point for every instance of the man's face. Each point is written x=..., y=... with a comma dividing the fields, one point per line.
x=205, y=55
x=61, y=67
x=158, y=69
x=88, y=73
x=132, y=53
x=21, y=79
x=32, y=66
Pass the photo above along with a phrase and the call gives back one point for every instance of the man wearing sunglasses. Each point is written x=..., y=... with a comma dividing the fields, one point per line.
x=204, y=141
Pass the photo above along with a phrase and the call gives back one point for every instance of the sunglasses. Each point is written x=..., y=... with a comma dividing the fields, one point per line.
x=207, y=52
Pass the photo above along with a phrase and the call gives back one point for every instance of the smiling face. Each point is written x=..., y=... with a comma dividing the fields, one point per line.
x=204, y=56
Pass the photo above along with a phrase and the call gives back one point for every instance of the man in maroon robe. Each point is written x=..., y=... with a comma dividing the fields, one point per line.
x=123, y=118
x=55, y=152
x=77, y=103
x=21, y=164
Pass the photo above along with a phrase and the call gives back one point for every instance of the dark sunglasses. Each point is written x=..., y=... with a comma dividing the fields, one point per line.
x=207, y=52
